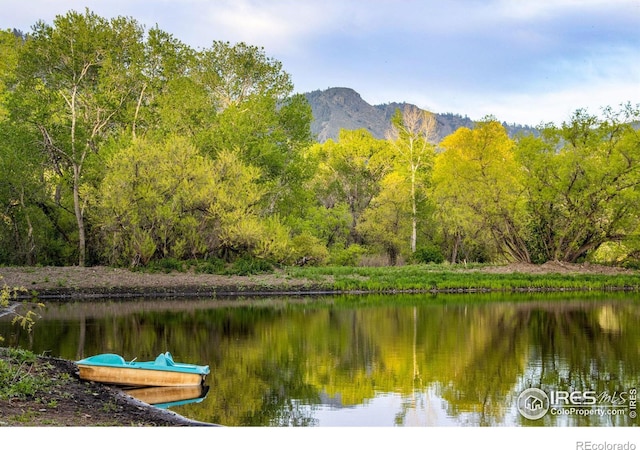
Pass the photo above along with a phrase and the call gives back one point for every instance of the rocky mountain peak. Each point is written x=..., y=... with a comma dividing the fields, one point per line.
x=342, y=107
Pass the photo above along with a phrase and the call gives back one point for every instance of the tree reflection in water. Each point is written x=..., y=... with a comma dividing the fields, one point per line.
x=295, y=362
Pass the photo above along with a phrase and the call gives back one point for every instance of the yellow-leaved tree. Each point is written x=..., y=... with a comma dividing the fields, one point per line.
x=477, y=185
x=235, y=211
x=152, y=202
x=167, y=200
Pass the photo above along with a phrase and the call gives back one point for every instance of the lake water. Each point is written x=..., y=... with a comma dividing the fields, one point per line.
x=375, y=360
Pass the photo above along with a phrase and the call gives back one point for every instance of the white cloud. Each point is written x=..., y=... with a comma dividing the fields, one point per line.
x=523, y=61
x=281, y=26
x=540, y=9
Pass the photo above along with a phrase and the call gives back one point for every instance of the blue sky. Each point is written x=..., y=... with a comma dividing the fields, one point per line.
x=522, y=61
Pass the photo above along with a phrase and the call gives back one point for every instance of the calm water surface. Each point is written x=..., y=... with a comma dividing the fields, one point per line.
x=403, y=360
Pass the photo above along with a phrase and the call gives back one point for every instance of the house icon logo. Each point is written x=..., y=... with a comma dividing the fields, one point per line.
x=533, y=403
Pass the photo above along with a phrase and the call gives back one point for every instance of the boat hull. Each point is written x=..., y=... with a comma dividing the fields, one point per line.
x=110, y=368
x=125, y=376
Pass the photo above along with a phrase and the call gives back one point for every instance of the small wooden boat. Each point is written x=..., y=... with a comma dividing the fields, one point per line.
x=169, y=396
x=110, y=368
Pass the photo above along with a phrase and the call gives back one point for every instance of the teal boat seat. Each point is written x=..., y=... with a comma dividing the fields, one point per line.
x=109, y=358
x=164, y=359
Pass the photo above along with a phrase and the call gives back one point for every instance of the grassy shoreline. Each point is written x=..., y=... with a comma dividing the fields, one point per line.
x=63, y=283
x=438, y=279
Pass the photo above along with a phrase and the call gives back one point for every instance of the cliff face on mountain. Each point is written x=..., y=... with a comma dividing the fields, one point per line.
x=337, y=108
x=340, y=107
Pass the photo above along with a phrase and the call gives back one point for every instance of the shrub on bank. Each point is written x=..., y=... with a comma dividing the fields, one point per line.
x=16, y=378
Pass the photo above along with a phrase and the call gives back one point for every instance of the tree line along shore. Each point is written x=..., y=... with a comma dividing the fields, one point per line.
x=123, y=146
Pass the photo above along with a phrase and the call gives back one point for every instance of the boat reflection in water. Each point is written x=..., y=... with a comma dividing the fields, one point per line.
x=169, y=396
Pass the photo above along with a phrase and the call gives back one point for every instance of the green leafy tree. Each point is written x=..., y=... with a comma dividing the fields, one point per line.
x=10, y=46
x=582, y=184
x=240, y=72
x=168, y=98
x=349, y=173
x=25, y=228
x=73, y=80
x=258, y=117
x=331, y=225
x=29, y=217
x=10, y=164
x=385, y=224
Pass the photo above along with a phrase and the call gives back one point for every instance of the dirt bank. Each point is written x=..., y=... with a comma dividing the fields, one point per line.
x=74, y=402
x=100, y=281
